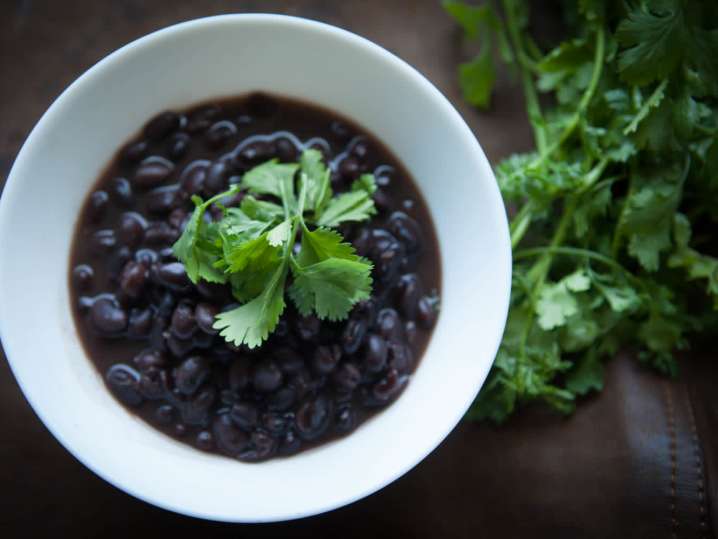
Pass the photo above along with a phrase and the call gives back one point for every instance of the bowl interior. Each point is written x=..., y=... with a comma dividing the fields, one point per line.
x=224, y=56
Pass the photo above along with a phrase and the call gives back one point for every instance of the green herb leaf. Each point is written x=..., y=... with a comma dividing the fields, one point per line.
x=356, y=205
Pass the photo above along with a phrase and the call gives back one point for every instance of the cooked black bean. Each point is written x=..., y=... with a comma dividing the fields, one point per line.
x=406, y=230
x=132, y=229
x=347, y=377
x=133, y=278
x=97, y=207
x=82, y=276
x=228, y=437
x=179, y=146
x=313, y=379
x=173, y=275
x=204, y=314
x=103, y=241
x=161, y=233
x=135, y=152
x=353, y=334
x=267, y=376
x=427, y=312
x=122, y=192
x=124, y=382
x=220, y=133
x=162, y=125
x=205, y=440
x=326, y=358
x=390, y=325
x=108, y=317
x=313, y=417
x=183, y=323
x=376, y=353
x=163, y=199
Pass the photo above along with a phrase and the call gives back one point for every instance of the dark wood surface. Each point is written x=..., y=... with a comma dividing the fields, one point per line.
x=479, y=481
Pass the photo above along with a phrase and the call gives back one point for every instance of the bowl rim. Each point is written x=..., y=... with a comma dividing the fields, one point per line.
x=11, y=193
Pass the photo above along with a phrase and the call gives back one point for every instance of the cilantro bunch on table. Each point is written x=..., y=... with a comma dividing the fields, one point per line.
x=253, y=247
x=613, y=214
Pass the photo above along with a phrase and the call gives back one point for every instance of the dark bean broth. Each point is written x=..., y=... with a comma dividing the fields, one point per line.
x=148, y=330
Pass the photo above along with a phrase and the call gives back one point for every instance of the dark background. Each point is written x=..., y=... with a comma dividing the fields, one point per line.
x=585, y=476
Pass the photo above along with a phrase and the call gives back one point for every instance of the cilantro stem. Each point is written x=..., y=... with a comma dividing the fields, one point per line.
x=520, y=223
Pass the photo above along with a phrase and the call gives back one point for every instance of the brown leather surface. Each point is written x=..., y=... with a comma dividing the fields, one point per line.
x=637, y=461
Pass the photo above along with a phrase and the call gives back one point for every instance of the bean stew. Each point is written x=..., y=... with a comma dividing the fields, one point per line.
x=149, y=331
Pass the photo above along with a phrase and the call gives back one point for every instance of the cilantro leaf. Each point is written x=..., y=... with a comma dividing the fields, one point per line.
x=356, y=205
x=261, y=210
x=586, y=376
x=316, y=177
x=273, y=178
x=477, y=78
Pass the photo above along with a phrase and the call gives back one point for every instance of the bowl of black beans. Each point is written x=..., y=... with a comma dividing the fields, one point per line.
x=252, y=268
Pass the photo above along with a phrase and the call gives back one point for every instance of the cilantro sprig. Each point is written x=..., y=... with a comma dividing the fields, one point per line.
x=612, y=213
x=251, y=247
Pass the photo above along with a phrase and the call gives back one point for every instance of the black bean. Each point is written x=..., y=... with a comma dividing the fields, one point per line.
x=217, y=179
x=347, y=377
x=220, y=133
x=360, y=149
x=140, y=323
x=201, y=119
x=275, y=424
x=82, y=276
x=134, y=152
x=103, y=241
x=353, y=335
x=164, y=199
x=161, y=233
x=173, y=275
x=191, y=374
x=146, y=256
x=108, y=317
x=124, y=382
x=390, y=386
x=308, y=327
x=239, y=374
x=340, y=130
x=288, y=360
x=205, y=441
x=97, y=206
x=205, y=314
x=267, y=376
x=382, y=200
x=149, y=358
x=165, y=304
x=349, y=168
x=178, y=218
x=390, y=325
x=256, y=152
x=400, y=358
x=162, y=125
x=117, y=261
x=411, y=331
x=326, y=358
x=196, y=411
x=376, y=354
x=132, y=229
x=345, y=419
x=133, y=279
x=179, y=347
x=245, y=415
x=180, y=430
x=313, y=417
x=153, y=383
x=302, y=382
x=122, y=191
x=427, y=312
x=228, y=437
x=202, y=340
x=157, y=333
x=287, y=152
x=165, y=414
x=179, y=146
x=406, y=230
x=193, y=177
x=410, y=292
x=261, y=446
x=282, y=399
x=290, y=443
x=84, y=303
x=166, y=254
x=152, y=172
x=183, y=323
x=362, y=243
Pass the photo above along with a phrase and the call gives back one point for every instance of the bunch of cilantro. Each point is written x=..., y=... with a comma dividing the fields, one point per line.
x=612, y=214
x=253, y=247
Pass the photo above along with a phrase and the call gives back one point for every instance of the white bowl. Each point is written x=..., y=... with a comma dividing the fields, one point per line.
x=224, y=56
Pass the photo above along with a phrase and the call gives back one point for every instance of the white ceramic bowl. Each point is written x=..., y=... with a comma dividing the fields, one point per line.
x=224, y=56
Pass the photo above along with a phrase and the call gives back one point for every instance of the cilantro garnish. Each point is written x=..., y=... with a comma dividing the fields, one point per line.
x=251, y=247
x=625, y=161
